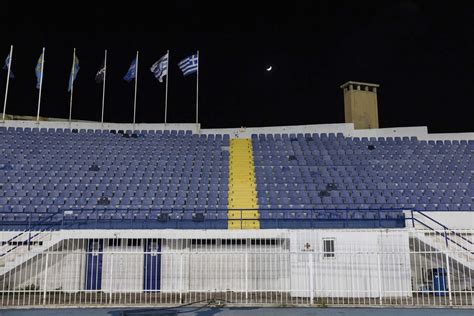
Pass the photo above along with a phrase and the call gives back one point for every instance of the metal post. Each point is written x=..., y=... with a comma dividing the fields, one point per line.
x=311, y=277
x=166, y=92
x=448, y=272
x=103, y=89
x=246, y=275
x=41, y=87
x=8, y=81
x=45, y=278
x=197, y=91
x=111, y=278
x=181, y=277
x=379, y=275
x=135, y=96
x=72, y=83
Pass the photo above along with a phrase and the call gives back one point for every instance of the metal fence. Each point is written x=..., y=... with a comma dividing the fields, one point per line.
x=402, y=268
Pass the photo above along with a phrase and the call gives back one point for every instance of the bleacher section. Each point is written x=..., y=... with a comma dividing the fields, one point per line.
x=43, y=172
x=176, y=179
x=330, y=171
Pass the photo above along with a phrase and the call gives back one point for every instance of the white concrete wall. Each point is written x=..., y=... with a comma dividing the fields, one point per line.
x=244, y=132
x=106, y=126
x=420, y=131
x=364, y=274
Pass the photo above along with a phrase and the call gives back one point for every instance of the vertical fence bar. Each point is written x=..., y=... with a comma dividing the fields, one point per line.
x=181, y=280
x=448, y=272
x=246, y=275
x=379, y=277
x=111, y=272
x=45, y=278
x=311, y=277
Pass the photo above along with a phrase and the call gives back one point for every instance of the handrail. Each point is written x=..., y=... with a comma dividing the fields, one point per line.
x=29, y=230
x=36, y=223
x=445, y=227
x=443, y=235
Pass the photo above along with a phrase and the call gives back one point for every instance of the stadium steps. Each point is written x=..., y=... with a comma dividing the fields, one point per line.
x=243, y=206
x=460, y=251
x=14, y=256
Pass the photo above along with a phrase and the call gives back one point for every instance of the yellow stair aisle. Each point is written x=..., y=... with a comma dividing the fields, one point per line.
x=242, y=186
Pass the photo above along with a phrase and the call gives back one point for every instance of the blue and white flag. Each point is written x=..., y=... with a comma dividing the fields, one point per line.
x=38, y=70
x=132, y=71
x=7, y=64
x=189, y=65
x=160, y=68
x=74, y=71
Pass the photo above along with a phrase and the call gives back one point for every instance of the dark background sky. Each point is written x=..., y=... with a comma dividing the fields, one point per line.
x=420, y=52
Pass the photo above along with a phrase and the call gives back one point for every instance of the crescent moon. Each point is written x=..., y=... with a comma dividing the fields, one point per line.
x=269, y=68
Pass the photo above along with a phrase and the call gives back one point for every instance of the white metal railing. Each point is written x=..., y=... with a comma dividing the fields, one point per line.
x=262, y=271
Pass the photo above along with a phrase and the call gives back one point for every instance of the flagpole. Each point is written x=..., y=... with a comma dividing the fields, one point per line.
x=135, y=97
x=166, y=93
x=197, y=90
x=41, y=87
x=8, y=81
x=103, y=88
x=72, y=83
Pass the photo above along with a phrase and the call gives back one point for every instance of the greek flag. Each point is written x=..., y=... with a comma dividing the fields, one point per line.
x=189, y=65
x=38, y=72
x=132, y=71
x=7, y=63
x=160, y=68
x=74, y=71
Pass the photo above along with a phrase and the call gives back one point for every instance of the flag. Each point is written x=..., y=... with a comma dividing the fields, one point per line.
x=38, y=72
x=132, y=71
x=99, y=77
x=189, y=65
x=74, y=71
x=160, y=68
x=7, y=63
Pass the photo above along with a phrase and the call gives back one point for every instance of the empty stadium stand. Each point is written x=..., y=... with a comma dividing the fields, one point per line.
x=176, y=179
x=335, y=172
x=43, y=172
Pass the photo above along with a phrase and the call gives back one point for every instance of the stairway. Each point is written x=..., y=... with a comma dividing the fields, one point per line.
x=12, y=256
x=243, y=206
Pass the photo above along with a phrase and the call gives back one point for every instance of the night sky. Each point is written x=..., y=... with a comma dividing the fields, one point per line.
x=420, y=52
